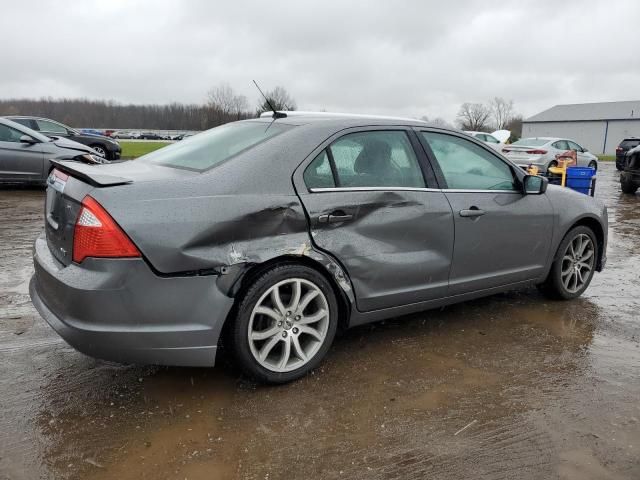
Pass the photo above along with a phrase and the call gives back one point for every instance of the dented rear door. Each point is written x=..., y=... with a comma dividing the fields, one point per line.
x=395, y=242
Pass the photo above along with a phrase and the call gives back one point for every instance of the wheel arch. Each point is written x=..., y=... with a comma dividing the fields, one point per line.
x=595, y=225
x=242, y=280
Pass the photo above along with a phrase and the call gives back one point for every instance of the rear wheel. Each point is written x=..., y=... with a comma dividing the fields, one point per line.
x=593, y=164
x=285, y=324
x=627, y=184
x=574, y=265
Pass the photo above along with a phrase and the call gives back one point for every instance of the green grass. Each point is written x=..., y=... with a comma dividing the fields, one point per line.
x=137, y=149
x=606, y=158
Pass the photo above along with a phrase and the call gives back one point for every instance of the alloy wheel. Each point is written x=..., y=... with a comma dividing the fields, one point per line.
x=100, y=151
x=288, y=325
x=577, y=263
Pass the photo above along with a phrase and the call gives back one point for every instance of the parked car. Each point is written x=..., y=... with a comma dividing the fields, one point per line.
x=92, y=131
x=25, y=155
x=630, y=176
x=542, y=152
x=150, y=136
x=120, y=135
x=495, y=140
x=106, y=147
x=622, y=149
x=279, y=231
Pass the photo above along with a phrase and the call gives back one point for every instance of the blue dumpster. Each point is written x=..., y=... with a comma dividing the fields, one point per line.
x=580, y=179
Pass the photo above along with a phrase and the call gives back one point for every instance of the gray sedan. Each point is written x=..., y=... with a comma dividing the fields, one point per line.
x=25, y=155
x=543, y=151
x=269, y=235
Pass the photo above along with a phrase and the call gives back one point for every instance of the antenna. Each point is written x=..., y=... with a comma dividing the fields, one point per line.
x=275, y=113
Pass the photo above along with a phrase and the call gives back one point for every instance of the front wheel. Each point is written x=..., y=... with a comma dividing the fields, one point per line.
x=574, y=265
x=593, y=164
x=100, y=150
x=285, y=324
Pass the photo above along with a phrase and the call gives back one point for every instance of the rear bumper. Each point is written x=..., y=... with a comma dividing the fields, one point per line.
x=119, y=310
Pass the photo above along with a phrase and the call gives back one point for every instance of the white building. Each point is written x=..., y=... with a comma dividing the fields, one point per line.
x=597, y=126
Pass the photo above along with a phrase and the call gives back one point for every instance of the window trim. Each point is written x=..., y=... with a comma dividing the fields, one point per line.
x=517, y=172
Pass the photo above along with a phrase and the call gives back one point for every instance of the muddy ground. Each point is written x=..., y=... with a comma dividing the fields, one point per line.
x=544, y=389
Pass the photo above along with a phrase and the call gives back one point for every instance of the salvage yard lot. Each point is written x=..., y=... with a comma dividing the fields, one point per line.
x=511, y=386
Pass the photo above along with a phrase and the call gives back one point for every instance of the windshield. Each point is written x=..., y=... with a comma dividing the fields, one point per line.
x=208, y=149
x=531, y=142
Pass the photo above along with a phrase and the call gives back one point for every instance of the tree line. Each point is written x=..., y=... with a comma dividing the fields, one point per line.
x=222, y=105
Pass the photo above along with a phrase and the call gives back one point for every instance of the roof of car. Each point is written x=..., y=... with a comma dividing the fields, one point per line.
x=339, y=119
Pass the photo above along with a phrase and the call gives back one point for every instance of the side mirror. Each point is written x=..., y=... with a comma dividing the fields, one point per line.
x=534, y=185
x=27, y=139
x=584, y=150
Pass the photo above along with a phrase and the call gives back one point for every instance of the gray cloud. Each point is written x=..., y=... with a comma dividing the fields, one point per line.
x=404, y=58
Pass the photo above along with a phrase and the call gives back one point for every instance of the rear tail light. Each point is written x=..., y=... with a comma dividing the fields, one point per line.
x=618, y=149
x=96, y=234
x=536, y=152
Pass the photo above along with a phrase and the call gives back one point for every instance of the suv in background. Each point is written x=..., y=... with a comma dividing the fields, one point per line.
x=630, y=176
x=625, y=145
x=104, y=146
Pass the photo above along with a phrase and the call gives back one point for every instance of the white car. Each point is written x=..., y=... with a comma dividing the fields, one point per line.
x=495, y=140
x=542, y=152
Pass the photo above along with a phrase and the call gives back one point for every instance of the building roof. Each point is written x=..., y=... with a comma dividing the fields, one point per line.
x=589, y=111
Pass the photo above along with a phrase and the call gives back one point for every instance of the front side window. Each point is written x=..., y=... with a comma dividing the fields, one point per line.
x=50, y=127
x=8, y=134
x=574, y=146
x=468, y=166
x=208, y=149
x=376, y=159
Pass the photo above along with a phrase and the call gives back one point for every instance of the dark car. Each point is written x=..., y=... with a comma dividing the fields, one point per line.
x=622, y=149
x=106, y=147
x=272, y=233
x=150, y=136
x=26, y=155
x=630, y=176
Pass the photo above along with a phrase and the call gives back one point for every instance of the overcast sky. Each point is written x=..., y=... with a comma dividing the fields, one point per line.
x=408, y=58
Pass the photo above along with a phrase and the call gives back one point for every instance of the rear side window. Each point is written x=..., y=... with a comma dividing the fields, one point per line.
x=561, y=145
x=467, y=166
x=376, y=159
x=491, y=139
x=206, y=150
x=318, y=174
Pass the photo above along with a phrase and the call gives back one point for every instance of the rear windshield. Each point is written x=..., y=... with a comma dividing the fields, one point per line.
x=630, y=143
x=207, y=149
x=531, y=142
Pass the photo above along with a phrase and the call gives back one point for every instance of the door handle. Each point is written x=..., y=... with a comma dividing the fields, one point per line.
x=472, y=212
x=335, y=217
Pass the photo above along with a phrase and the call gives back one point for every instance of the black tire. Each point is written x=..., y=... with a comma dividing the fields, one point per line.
x=627, y=184
x=239, y=330
x=101, y=150
x=593, y=164
x=553, y=287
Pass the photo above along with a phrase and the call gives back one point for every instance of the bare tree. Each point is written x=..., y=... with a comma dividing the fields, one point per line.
x=473, y=116
x=438, y=121
x=279, y=98
x=515, y=126
x=224, y=99
x=502, y=112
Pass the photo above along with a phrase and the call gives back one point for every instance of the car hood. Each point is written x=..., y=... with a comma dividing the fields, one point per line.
x=71, y=145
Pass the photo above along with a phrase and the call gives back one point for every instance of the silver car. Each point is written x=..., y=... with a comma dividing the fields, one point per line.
x=542, y=152
x=273, y=233
x=25, y=155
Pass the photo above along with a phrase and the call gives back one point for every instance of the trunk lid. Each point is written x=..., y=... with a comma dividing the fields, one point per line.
x=68, y=184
